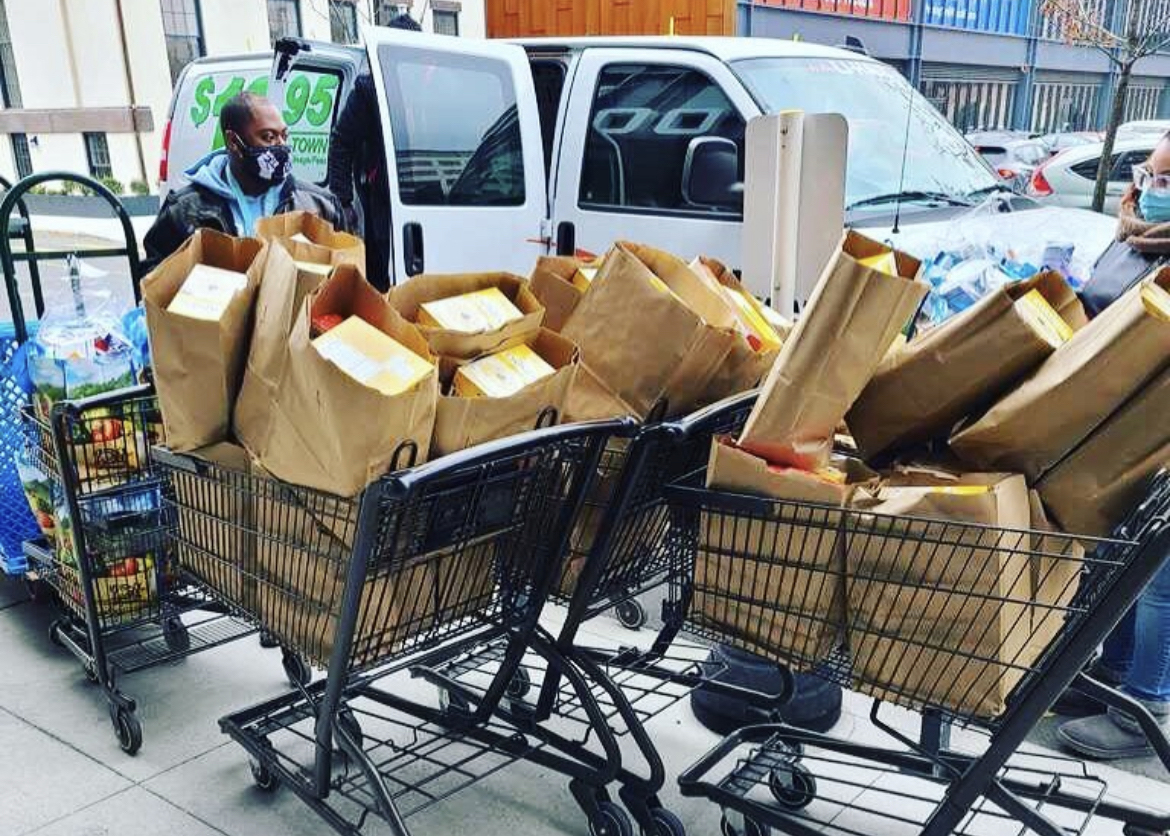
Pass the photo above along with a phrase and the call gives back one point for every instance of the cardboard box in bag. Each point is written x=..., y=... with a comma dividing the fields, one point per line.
x=300, y=226
x=649, y=330
x=1074, y=391
x=552, y=283
x=851, y=320
x=465, y=422
x=408, y=298
x=1092, y=489
x=940, y=607
x=199, y=364
x=326, y=430
x=744, y=367
x=957, y=369
x=776, y=585
x=216, y=540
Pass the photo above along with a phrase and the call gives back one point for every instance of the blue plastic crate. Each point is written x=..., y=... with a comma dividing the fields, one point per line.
x=17, y=523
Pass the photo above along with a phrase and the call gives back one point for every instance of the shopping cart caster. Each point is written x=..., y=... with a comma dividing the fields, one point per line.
x=793, y=786
x=348, y=722
x=175, y=635
x=631, y=614
x=1135, y=830
x=36, y=589
x=746, y=826
x=55, y=630
x=610, y=820
x=268, y=641
x=296, y=669
x=91, y=673
x=666, y=823
x=264, y=778
x=452, y=702
x=519, y=685
x=128, y=729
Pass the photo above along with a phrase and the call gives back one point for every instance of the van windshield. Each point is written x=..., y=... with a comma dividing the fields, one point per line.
x=874, y=99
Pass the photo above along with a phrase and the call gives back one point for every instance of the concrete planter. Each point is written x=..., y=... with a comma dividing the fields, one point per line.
x=88, y=206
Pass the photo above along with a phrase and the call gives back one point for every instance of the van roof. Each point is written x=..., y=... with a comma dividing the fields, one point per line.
x=725, y=49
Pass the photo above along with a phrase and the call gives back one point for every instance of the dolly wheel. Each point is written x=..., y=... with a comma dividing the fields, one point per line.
x=631, y=614
x=263, y=777
x=610, y=820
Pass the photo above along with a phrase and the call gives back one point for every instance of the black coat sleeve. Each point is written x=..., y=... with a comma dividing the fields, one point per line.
x=170, y=229
x=359, y=117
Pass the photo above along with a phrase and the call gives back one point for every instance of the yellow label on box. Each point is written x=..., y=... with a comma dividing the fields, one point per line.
x=583, y=278
x=750, y=315
x=470, y=313
x=207, y=292
x=502, y=374
x=1156, y=300
x=372, y=358
x=962, y=490
x=883, y=263
x=1043, y=318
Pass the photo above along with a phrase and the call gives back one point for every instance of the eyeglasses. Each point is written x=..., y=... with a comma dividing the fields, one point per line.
x=1146, y=180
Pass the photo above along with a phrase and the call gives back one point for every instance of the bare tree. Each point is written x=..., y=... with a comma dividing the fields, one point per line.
x=1141, y=28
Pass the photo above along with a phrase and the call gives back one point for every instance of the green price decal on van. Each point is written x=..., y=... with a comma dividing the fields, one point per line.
x=309, y=102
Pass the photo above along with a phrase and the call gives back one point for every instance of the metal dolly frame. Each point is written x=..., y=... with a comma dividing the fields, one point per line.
x=425, y=564
x=760, y=775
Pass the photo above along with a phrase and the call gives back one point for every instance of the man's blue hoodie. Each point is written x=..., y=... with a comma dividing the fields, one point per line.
x=214, y=174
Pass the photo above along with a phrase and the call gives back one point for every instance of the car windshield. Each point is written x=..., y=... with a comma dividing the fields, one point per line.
x=873, y=98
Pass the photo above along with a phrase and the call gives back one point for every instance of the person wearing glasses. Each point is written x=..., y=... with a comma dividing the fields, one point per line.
x=1142, y=242
x=1136, y=656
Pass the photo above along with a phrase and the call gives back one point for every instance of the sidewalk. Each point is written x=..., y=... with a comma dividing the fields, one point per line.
x=65, y=776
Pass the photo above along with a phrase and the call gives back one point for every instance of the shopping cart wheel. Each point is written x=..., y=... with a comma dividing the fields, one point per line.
x=347, y=720
x=91, y=673
x=519, y=685
x=267, y=640
x=128, y=729
x=792, y=785
x=1135, y=830
x=452, y=702
x=631, y=614
x=263, y=777
x=295, y=668
x=610, y=820
x=750, y=827
x=55, y=630
x=175, y=634
x=36, y=589
x=666, y=823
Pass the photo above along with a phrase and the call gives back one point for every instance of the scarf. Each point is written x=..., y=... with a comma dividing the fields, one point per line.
x=1145, y=237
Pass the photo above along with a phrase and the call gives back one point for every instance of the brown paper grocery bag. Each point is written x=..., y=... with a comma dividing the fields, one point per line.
x=464, y=422
x=552, y=283
x=648, y=343
x=282, y=293
x=776, y=586
x=198, y=364
x=350, y=248
x=1057, y=562
x=959, y=368
x=744, y=367
x=329, y=432
x=589, y=399
x=939, y=592
x=407, y=299
x=851, y=320
x=1074, y=391
x=1092, y=490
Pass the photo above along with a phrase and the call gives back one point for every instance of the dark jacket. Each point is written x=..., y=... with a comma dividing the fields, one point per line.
x=357, y=153
x=1118, y=269
x=196, y=207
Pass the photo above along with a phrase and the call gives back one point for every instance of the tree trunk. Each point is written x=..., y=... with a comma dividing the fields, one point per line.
x=1116, y=114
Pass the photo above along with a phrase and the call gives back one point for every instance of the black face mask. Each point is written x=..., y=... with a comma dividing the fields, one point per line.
x=267, y=163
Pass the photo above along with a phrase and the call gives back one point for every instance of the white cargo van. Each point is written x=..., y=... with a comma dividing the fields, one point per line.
x=502, y=151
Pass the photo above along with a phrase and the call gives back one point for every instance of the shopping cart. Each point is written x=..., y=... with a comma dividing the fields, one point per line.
x=101, y=547
x=936, y=615
x=425, y=564
x=618, y=550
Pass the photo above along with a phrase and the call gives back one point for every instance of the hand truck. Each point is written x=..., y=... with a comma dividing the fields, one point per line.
x=936, y=621
x=425, y=564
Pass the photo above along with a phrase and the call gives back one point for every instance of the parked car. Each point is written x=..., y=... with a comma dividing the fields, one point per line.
x=1068, y=178
x=500, y=151
x=1063, y=140
x=1013, y=154
x=1143, y=128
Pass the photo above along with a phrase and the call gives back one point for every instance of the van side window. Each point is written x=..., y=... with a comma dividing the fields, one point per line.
x=456, y=129
x=653, y=133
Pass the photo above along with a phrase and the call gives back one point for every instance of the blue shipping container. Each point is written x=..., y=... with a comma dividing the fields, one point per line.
x=1007, y=17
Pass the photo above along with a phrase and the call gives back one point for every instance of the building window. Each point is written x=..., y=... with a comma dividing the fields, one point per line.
x=343, y=23
x=386, y=10
x=284, y=19
x=184, y=33
x=445, y=23
x=9, y=84
x=97, y=154
x=21, y=157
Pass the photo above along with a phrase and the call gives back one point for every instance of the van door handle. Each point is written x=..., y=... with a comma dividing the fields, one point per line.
x=566, y=238
x=412, y=248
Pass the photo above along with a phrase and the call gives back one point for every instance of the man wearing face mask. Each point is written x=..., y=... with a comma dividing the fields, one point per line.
x=232, y=188
x=1142, y=242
